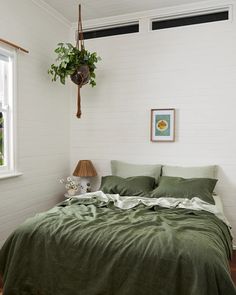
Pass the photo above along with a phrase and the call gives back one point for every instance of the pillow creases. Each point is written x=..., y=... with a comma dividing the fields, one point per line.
x=131, y=186
x=178, y=187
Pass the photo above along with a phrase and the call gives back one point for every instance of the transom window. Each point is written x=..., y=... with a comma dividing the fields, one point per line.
x=6, y=111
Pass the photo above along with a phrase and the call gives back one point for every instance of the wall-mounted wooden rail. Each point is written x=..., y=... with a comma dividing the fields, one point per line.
x=14, y=45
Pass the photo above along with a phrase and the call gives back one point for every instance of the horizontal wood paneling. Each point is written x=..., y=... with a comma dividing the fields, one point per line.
x=192, y=69
x=43, y=119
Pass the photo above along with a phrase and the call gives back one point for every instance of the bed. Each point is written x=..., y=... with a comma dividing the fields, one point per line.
x=103, y=243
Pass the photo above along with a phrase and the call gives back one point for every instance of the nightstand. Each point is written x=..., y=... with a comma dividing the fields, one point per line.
x=67, y=196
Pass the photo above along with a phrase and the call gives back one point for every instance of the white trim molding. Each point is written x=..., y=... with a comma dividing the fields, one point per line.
x=9, y=108
x=163, y=13
x=10, y=175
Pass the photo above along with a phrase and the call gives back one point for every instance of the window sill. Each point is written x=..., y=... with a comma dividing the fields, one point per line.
x=10, y=175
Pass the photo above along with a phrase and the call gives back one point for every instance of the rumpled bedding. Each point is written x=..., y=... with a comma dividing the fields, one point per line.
x=99, y=244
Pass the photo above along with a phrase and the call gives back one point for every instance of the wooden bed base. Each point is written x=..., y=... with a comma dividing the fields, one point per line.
x=1, y=285
x=233, y=267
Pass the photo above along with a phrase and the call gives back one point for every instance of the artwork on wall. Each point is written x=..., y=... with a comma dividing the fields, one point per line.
x=162, y=124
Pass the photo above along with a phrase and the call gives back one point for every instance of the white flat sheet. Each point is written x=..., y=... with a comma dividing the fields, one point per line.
x=128, y=202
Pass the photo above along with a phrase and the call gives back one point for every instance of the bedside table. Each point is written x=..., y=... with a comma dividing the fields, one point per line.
x=67, y=196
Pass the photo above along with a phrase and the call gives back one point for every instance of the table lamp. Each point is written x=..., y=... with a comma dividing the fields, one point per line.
x=86, y=169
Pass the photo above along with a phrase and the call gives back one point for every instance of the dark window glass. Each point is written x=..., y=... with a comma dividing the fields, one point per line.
x=128, y=29
x=190, y=20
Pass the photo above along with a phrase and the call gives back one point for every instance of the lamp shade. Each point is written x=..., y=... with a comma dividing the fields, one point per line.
x=85, y=168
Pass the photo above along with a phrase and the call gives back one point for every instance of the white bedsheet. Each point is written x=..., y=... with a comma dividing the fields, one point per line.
x=128, y=202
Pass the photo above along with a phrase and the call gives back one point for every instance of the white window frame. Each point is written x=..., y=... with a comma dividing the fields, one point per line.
x=8, y=108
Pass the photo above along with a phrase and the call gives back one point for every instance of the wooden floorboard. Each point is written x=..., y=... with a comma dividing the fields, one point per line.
x=233, y=267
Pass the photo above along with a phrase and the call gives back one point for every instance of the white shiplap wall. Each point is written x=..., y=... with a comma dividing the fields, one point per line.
x=43, y=120
x=192, y=69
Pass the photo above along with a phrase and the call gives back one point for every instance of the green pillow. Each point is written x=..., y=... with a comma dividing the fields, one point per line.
x=178, y=187
x=131, y=186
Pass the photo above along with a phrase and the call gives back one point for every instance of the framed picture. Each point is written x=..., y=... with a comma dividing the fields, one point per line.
x=163, y=125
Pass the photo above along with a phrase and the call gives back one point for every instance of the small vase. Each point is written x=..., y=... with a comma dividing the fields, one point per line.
x=71, y=192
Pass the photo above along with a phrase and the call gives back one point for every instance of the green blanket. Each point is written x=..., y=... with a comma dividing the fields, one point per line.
x=98, y=249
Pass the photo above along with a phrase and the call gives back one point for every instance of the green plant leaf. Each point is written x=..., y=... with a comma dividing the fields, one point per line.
x=69, y=58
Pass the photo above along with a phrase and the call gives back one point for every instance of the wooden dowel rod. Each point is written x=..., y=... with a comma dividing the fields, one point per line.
x=13, y=45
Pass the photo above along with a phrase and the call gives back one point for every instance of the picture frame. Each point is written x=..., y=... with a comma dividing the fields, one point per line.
x=163, y=125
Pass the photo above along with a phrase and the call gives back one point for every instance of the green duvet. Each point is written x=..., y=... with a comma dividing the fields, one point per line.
x=94, y=248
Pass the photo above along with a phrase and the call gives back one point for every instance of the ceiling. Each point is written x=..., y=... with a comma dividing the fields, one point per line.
x=92, y=9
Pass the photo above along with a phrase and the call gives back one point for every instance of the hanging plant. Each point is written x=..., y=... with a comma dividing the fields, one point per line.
x=72, y=61
x=75, y=62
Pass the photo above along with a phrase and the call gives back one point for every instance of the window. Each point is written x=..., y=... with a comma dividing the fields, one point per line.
x=112, y=31
x=190, y=20
x=7, y=59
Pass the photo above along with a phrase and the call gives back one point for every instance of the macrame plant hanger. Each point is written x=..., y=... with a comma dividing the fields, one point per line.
x=80, y=46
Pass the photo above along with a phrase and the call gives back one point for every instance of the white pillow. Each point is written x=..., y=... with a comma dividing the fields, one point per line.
x=123, y=169
x=218, y=203
x=219, y=206
x=190, y=172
